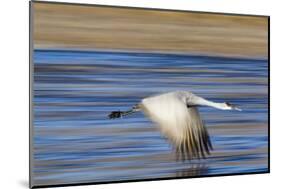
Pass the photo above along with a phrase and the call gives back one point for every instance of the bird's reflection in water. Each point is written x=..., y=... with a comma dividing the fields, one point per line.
x=192, y=170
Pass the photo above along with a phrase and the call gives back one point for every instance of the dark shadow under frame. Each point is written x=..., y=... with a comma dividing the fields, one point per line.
x=31, y=66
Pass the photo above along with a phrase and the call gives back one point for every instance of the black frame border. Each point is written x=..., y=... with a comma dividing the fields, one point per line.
x=31, y=49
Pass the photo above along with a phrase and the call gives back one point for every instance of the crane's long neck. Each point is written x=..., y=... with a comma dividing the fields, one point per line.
x=220, y=106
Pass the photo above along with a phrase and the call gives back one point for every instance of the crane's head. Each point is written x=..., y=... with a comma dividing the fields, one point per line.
x=229, y=106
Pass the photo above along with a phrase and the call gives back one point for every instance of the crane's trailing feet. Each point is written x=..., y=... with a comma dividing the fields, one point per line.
x=120, y=114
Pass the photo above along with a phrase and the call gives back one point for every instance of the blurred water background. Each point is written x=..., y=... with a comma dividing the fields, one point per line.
x=74, y=91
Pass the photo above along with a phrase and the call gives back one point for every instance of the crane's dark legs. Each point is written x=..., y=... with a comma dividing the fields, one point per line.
x=118, y=114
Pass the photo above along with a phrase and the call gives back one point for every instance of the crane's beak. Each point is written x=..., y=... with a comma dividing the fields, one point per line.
x=236, y=108
x=232, y=107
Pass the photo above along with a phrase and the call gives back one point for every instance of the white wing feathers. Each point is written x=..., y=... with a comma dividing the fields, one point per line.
x=179, y=120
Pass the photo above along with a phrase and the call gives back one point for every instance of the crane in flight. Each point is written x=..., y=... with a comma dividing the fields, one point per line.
x=176, y=116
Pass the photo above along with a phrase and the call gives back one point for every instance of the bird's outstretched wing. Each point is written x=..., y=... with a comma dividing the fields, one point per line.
x=196, y=142
x=182, y=125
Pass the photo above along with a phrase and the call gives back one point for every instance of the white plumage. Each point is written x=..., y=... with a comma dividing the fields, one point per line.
x=169, y=112
x=177, y=117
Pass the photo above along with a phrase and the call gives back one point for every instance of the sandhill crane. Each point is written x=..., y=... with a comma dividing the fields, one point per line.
x=178, y=119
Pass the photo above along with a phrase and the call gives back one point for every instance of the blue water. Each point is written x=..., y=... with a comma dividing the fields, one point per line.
x=74, y=91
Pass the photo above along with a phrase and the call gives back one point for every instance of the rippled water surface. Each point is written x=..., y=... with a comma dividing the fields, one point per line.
x=74, y=141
